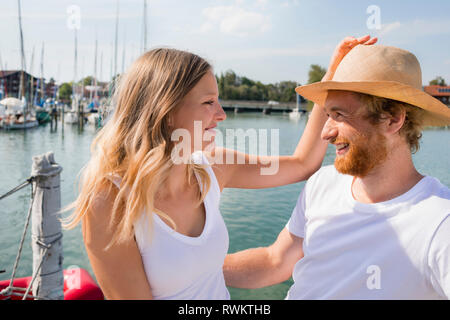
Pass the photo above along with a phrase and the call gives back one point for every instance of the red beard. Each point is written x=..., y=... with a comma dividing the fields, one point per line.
x=364, y=154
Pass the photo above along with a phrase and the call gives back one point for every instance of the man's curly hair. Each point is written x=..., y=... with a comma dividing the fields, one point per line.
x=378, y=108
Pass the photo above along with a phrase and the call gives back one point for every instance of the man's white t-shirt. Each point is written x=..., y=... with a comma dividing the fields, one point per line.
x=397, y=249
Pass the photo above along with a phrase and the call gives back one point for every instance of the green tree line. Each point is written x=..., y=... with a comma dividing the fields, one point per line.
x=234, y=87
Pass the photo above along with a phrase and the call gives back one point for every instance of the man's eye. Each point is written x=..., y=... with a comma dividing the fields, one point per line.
x=209, y=102
x=337, y=116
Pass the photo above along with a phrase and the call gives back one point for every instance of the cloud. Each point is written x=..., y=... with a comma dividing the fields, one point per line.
x=290, y=3
x=415, y=28
x=256, y=53
x=235, y=21
x=387, y=28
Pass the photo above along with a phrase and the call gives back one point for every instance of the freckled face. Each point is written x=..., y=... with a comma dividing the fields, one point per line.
x=360, y=146
x=200, y=111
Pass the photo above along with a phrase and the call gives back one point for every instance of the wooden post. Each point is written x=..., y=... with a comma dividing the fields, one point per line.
x=62, y=117
x=46, y=235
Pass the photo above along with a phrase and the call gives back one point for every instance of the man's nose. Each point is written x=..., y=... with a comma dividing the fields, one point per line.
x=329, y=130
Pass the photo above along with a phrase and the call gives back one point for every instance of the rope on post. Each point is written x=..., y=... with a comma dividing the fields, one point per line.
x=8, y=291
x=19, y=187
x=44, y=253
x=44, y=180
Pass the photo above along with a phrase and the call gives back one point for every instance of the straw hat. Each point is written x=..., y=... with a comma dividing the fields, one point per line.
x=382, y=71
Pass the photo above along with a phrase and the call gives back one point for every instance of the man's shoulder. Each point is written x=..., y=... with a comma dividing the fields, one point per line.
x=436, y=195
x=437, y=188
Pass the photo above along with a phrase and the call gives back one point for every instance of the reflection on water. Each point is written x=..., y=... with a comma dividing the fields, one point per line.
x=253, y=217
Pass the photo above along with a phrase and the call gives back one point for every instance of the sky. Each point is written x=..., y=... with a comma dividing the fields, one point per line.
x=264, y=40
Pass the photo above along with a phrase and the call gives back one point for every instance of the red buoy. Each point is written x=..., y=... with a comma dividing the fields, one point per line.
x=78, y=285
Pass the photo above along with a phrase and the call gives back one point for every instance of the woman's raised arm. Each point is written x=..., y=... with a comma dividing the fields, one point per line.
x=307, y=157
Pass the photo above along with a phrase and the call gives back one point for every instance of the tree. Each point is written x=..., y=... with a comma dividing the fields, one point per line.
x=230, y=78
x=316, y=73
x=65, y=91
x=438, y=81
x=87, y=81
x=234, y=87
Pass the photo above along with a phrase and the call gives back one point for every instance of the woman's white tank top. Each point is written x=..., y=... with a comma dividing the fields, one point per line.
x=181, y=267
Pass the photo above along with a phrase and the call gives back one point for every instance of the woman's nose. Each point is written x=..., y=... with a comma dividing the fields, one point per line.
x=220, y=114
x=329, y=130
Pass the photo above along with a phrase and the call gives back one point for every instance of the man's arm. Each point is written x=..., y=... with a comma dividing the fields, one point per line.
x=261, y=267
x=439, y=259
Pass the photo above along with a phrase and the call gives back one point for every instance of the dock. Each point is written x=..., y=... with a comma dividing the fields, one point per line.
x=240, y=106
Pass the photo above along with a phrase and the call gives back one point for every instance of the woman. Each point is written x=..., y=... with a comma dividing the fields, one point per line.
x=178, y=252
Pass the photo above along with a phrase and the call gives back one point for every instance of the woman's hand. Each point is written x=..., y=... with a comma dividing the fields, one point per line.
x=307, y=157
x=344, y=47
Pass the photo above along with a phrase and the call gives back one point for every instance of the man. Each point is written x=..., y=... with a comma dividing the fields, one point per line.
x=371, y=226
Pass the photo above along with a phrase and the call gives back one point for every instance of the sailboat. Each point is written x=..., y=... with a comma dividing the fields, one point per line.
x=17, y=112
x=296, y=114
x=16, y=115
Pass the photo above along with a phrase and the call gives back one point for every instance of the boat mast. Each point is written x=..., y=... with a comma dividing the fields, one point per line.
x=94, y=81
x=32, y=77
x=123, y=52
x=2, y=80
x=144, y=29
x=22, y=53
x=116, y=40
x=42, y=74
x=74, y=86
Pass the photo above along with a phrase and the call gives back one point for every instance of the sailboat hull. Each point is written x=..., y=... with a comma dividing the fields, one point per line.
x=8, y=125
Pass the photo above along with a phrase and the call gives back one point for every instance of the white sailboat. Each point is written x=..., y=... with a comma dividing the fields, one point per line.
x=17, y=112
x=14, y=115
x=295, y=114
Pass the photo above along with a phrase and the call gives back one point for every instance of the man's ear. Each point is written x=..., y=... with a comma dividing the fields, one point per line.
x=395, y=121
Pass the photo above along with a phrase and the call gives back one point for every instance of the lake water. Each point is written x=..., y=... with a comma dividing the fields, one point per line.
x=253, y=217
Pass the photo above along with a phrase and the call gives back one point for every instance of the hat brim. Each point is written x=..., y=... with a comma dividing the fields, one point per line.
x=438, y=114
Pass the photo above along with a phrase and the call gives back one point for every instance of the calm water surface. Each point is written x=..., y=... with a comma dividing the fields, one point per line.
x=253, y=217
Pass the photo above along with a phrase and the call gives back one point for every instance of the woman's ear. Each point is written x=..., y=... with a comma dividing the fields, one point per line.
x=170, y=121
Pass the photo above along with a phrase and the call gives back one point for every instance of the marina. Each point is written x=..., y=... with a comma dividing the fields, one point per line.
x=253, y=217
x=48, y=121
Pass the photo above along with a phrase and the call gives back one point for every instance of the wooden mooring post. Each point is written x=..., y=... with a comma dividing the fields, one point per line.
x=46, y=235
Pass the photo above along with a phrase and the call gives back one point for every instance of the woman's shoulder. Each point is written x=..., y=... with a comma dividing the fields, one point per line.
x=216, y=160
x=97, y=220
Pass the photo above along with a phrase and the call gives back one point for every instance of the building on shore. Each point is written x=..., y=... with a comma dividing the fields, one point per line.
x=10, y=83
x=441, y=93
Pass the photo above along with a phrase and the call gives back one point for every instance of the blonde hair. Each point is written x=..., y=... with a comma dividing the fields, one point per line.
x=378, y=107
x=135, y=143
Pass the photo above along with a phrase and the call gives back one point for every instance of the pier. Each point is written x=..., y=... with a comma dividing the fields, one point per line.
x=240, y=106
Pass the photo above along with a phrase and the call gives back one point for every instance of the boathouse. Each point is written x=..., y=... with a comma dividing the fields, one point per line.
x=441, y=93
